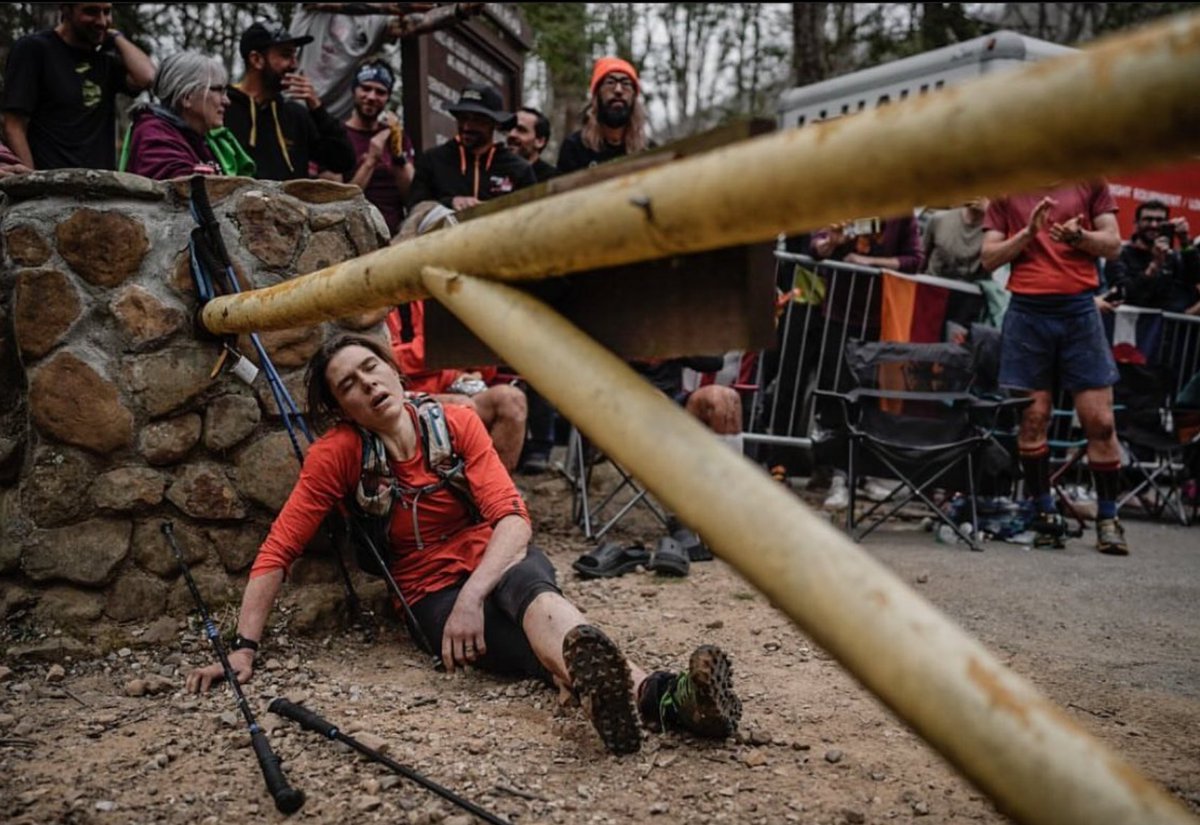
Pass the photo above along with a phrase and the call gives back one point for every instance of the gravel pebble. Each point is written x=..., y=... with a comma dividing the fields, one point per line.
x=833, y=756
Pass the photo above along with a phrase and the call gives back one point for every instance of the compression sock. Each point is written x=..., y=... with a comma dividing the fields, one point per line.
x=1107, y=477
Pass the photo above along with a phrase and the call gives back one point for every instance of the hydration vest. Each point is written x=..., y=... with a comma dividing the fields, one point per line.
x=377, y=490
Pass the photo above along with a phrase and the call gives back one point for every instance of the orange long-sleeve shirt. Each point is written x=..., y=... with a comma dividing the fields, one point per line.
x=453, y=545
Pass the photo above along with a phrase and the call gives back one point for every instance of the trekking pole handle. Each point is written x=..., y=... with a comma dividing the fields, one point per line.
x=287, y=799
x=308, y=719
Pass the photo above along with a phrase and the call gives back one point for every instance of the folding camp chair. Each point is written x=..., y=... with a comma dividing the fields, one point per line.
x=1159, y=453
x=912, y=418
x=589, y=508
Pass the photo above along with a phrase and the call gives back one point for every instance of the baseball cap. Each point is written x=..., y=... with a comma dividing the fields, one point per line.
x=480, y=99
x=261, y=36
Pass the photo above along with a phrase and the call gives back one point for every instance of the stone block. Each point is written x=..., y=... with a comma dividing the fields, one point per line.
x=287, y=348
x=55, y=490
x=69, y=607
x=56, y=649
x=14, y=597
x=46, y=304
x=267, y=470
x=163, y=382
x=368, y=231
x=81, y=184
x=293, y=382
x=70, y=401
x=168, y=441
x=203, y=491
x=12, y=531
x=319, y=221
x=143, y=319
x=370, y=322
x=323, y=249
x=320, y=190
x=237, y=546
x=128, y=488
x=218, y=188
x=180, y=279
x=271, y=227
x=228, y=419
x=136, y=597
x=87, y=553
x=322, y=608
x=151, y=551
x=215, y=586
x=104, y=248
x=25, y=246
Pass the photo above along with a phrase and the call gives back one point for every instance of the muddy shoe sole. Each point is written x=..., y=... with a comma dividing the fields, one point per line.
x=716, y=710
x=602, y=681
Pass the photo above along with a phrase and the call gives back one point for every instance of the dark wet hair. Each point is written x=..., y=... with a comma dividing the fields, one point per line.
x=541, y=126
x=323, y=408
x=1154, y=204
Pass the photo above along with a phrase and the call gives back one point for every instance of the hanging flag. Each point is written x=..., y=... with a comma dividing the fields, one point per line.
x=1135, y=333
x=914, y=311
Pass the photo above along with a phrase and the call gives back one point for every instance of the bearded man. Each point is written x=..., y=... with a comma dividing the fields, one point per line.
x=276, y=114
x=615, y=123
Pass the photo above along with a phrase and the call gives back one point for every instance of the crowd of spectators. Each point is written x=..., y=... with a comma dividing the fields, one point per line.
x=314, y=101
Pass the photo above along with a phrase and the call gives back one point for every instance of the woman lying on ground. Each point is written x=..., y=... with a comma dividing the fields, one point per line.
x=477, y=586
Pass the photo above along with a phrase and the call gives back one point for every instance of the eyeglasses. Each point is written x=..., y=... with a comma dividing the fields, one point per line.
x=1152, y=219
x=610, y=83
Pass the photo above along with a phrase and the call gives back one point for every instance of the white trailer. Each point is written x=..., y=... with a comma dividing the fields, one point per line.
x=911, y=77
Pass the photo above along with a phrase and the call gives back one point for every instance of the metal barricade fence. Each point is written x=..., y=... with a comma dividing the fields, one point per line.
x=834, y=302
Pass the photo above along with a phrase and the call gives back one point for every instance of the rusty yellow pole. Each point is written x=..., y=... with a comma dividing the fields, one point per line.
x=1037, y=764
x=1106, y=109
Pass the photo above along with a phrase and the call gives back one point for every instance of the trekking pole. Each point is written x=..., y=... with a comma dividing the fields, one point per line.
x=287, y=799
x=309, y=720
x=414, y=628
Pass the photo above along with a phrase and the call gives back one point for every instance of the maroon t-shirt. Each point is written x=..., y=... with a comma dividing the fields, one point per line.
x=381, y=188
x=1047, y=267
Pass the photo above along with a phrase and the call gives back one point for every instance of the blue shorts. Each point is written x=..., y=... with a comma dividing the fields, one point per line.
x=1044, y=348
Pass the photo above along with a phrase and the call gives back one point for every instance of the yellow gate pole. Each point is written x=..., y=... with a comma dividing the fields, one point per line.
x=994, y=726
x=1106, y=109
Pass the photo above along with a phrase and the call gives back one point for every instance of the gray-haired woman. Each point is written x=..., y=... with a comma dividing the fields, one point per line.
x=183, y=134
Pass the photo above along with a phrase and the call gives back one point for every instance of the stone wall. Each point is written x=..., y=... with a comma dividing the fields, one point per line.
x=110, y=419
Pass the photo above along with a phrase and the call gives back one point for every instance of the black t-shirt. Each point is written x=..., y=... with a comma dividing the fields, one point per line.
x=573, y=154
x=543, y=171
x=69, y=96
x=283, y=136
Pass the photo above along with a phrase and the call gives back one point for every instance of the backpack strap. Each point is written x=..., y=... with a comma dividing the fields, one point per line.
x=440, y=454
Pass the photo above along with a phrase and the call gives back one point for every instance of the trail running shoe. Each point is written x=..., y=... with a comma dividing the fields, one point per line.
x=1110, y=537
x=700, y=700
x=601, y=679
x=1050, y=531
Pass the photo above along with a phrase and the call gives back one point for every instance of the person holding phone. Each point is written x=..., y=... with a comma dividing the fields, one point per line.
x=1158, y=267
x=276, y=114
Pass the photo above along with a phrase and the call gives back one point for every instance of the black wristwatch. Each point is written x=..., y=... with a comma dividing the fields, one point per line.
x=240, y=642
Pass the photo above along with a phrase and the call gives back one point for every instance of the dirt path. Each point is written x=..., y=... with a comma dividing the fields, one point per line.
x=1116, y=642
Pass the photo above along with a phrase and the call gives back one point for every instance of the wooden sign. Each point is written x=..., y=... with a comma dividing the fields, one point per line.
x=489, y=48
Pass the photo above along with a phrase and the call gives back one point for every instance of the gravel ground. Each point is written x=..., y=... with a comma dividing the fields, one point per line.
x=1116, y=642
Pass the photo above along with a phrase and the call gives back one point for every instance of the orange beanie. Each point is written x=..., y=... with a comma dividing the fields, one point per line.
x=608, y=65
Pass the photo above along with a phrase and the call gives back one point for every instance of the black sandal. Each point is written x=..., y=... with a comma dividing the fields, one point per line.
x=610, y=560
x=669, y=558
